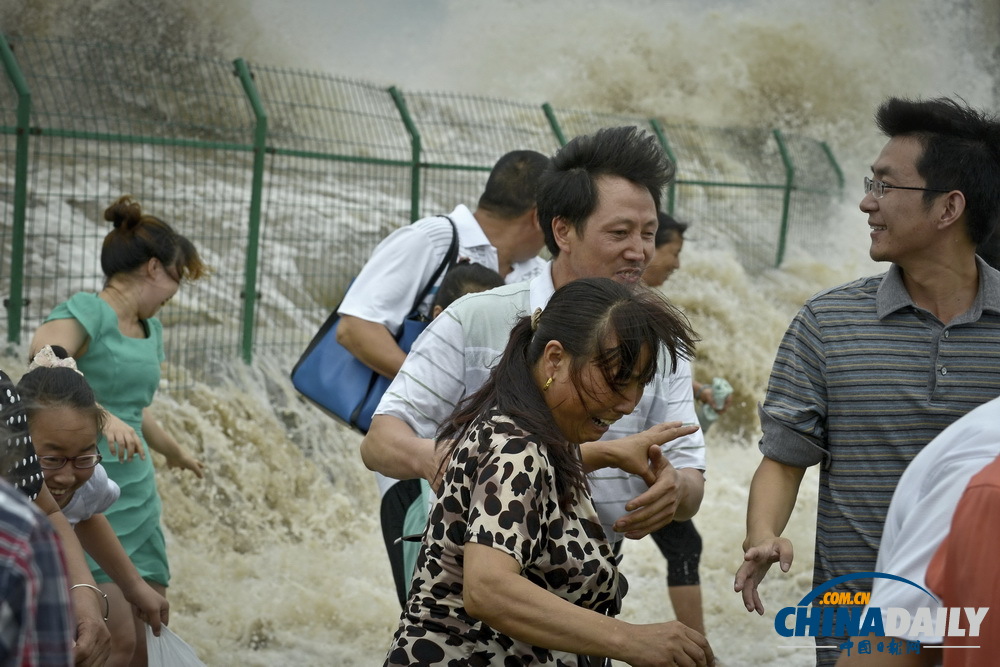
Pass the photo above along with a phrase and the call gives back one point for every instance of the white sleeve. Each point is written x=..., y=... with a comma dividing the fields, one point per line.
x=676, y=403
x=431, y=381
x=390, y=281
x=915, y=526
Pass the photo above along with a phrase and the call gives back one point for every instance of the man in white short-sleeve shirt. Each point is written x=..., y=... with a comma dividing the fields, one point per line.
x=597, y=206
x=502, y=234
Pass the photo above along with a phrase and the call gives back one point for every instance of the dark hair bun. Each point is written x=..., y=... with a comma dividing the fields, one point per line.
x=125, y=211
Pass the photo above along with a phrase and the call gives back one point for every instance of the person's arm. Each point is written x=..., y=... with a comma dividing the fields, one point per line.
x=382, y=294
x=631, y=453
x=371, y=343
x=99, y=540
x=93, y=640
x=772, y=498
x=703, y=394
x=495, y=592
x=158, y=439
x=393, y=449
x=69, y=334
x=429, y=385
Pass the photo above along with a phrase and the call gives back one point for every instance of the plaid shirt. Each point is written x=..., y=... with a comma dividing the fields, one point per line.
x=36, y=628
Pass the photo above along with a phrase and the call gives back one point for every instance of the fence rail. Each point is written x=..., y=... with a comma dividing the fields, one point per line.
x=286, y=179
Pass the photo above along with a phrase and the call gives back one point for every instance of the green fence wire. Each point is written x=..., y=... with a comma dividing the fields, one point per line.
x=285, y=180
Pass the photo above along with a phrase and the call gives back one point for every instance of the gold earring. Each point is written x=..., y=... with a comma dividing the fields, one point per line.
x=548, y=383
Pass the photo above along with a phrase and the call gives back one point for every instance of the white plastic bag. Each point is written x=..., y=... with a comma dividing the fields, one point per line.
x=169, y=650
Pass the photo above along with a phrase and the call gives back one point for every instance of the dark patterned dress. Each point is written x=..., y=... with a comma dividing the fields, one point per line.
x=500, y=491
x=18, y=463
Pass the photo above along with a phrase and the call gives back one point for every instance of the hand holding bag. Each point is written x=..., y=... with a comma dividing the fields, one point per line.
x=335, y=380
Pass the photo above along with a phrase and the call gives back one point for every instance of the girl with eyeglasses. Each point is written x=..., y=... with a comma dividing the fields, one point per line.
x=64, y=421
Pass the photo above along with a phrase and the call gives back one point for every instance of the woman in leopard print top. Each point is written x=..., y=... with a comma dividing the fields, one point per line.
x=514, y=567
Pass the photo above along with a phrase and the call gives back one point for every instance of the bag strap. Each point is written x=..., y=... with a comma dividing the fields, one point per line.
x=449, y=261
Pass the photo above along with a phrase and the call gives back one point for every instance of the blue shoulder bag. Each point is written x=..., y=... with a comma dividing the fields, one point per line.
x=335, y=380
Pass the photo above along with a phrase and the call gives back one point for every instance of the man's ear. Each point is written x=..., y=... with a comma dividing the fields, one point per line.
x=953, y=210
x=562, y=232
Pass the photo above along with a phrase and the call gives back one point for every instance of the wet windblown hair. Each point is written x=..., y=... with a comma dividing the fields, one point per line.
x=568, y=188
x=44, y=387
x=513, y=183
x=961, y=152
x=597, y=321
x=138, y=237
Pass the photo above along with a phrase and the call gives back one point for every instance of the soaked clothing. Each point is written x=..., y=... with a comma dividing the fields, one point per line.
x=124, y=373
x=500, y=491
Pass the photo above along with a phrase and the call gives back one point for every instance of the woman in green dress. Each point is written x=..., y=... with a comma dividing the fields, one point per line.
x=118, y=345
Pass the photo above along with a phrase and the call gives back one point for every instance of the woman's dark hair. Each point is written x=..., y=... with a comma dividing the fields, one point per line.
x=57, y=388
x=597, y=320
x=463, y=278
x=138, y=237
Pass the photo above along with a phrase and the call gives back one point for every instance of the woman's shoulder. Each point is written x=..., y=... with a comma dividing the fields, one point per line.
x=86, y=307
x=499, y=434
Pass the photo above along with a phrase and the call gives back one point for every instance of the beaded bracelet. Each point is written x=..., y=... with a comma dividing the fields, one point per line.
x=107, y=605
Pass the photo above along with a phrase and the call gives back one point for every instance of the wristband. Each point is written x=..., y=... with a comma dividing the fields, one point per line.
x=107, y=605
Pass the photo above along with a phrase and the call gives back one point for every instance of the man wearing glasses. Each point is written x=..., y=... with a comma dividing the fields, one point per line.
x=869, y=372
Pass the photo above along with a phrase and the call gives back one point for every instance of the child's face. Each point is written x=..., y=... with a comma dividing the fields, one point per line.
x=63, y=432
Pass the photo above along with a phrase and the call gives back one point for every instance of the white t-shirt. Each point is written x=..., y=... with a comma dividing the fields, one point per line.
x=452, y=358
x=94, y=497
x=923, y=504
x=403, y=263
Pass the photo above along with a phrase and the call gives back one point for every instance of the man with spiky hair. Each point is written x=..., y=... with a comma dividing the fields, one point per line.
x=597, y=206
x=869, y=372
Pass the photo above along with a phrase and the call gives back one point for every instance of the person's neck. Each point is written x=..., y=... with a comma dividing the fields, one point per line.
x=504, y=235
x=944, y=287
x=123, y=299
x=561, y=272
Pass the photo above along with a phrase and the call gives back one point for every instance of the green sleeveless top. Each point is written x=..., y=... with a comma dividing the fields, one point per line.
x=124, y=373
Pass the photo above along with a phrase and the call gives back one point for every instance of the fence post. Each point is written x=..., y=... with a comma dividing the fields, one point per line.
x=833, y=163
x=787, y=199
x=554, y=123
x=256, y=194
x=672, y=187
x=15, y=302
x=415, y=150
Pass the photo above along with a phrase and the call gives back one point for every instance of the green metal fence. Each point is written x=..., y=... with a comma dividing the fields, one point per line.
x=286, y=179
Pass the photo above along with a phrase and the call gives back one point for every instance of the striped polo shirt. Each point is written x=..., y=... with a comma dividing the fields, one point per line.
x=862, y=381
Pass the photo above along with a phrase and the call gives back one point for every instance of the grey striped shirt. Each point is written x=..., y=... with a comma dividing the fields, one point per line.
x=862, y=381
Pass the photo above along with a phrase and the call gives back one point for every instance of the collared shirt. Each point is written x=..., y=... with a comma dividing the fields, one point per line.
x=36, y=628
x=454, y=355
x=403, y=263
x=863, y=380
